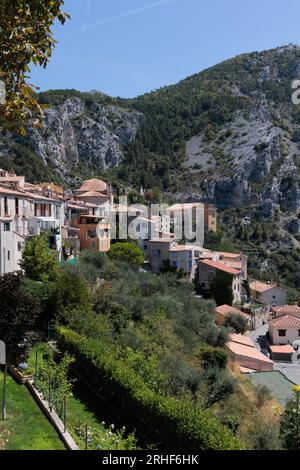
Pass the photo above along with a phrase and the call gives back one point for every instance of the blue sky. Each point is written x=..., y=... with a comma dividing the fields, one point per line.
x=128, y=47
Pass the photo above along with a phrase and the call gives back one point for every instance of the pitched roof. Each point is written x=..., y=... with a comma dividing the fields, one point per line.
x=285, y=322
x=181, y=207
x=286, y=349
x=249, y=352
x=229, y=255
x=242, y=339
x=287, y=310
x=92, y=194
x=177, y=248
x=39, y=197
x=11, y=192
x=93, y=184
x=227, y=310
x=221, y=267
x=261, y=287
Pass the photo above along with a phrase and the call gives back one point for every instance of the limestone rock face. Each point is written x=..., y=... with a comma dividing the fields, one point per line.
x=72, y=133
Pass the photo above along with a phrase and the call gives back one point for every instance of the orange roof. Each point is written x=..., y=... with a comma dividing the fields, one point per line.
x=249, y=352
x=285, y=322
x=261, y=287
x=287, y=309
x=241, y=339
x=221, y=266
x=183, y=206
x=229, y=255
x=39, y=197
x=93, y=185
x=11, y=192
x=227, y=310
x=232, y=264
x=180, y=248
x=92, y=194
x=286, y=349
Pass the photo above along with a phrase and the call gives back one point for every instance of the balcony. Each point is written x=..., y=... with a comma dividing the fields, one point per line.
x=38, y=225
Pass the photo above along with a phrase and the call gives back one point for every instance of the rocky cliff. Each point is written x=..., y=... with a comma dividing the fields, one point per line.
x=75, y=134
x=228, y=135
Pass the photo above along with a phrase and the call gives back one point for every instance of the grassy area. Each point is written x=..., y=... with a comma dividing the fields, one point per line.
x=100, y=434
x=26, y=427
x=80, y=414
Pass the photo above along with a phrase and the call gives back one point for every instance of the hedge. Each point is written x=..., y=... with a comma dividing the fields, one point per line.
x=174, y=423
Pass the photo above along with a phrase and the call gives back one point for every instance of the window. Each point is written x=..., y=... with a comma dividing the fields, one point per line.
x=17, y=205
x=6, y=227
x=274, y=297
x=19, y=246
x=8, y=255
x=298, y=332
x=281, y=332
x=5, y=206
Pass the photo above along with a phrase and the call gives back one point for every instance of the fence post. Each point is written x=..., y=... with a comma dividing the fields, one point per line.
x=4, y=393
x=65, y=414
x=36, y=368
x=49, y=394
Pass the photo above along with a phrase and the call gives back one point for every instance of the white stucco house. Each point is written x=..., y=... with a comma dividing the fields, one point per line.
x=284, y=330
x=268, y=293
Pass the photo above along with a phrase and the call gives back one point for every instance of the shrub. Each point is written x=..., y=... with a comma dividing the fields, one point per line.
x=237, y=323
x=173, y=423
x=213, y=357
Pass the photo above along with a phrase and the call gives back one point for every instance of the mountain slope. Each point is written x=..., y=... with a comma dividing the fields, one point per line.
x=228, y=135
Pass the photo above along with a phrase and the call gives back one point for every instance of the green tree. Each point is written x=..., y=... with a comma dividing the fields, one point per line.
x=38, y=262
x=237, y=323
x=290, y=423
x=222, y=288
x=19, y=312
x=128, y=253
x=25, y=37
x=218, y=385
x=73, y=292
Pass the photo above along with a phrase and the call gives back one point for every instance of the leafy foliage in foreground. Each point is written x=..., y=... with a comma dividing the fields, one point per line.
x=25, y=37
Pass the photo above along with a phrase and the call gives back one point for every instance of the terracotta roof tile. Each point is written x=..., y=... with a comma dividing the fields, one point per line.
x=287, y=309
x=221, y=266
x=285, y=322
x=248, y=352
x=242, y=339
x=227, y=310
x=93, y=185
x=286, y=349
x=261, y=287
